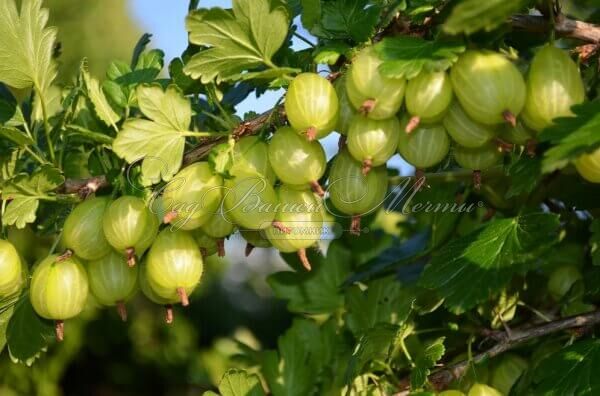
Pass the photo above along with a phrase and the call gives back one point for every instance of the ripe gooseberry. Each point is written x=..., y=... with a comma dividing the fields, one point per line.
x=370, y=92
x=59, y=290
x=218, y=227
x=111, y=282
x=152, y=296
x=192, y=196
x=425, y=146
x=483, y=390
x=129, y=227
x=477, y=159
x=428, y=96
x=248, y=200
x=347, y=111
x=83, y=233
x=255, y=239
x=354, y=193
x=174, y=265
x=373, y=142
x=553, y=86
x=506, y=373
x=250, y=154
x=11, y=269
x=300, y=212
x=465, y=131
x=588, y=166
x=489, y=87
x=311, y=105
x=296, y=160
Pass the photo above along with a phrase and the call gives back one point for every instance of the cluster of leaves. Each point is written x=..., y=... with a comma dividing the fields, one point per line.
x=375, y=310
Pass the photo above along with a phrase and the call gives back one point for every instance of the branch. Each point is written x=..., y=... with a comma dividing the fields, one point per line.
x=507, y=341
x=246, y=128
x=563, y=26
x=84, y=187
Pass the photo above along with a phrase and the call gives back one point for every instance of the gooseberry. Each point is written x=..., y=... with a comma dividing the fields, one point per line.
x=425, y=146
x=373, y=142
x=83, y=232
x=588, y=166
x=249, y=200
x=11, y=269
x=464, y=130
x=428, y=96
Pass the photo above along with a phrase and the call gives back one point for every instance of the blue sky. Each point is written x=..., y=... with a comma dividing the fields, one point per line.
x=165, y=20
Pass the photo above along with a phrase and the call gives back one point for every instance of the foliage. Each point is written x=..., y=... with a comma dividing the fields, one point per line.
x=439, y=273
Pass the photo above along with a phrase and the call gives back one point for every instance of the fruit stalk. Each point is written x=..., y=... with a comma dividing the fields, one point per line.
x=59, y=330
x=122, y=310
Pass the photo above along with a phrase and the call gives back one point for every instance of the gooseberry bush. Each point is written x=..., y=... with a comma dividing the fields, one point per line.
x=475, y=275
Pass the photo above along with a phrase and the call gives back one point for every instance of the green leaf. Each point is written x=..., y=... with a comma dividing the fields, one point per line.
x=470, y=269
x=525, y=173
x=347, y=19
x=239, y=383
x=27, y=334
x=331, y=52
x=159, y=141
x=220, y=159
x=96, y=95
x=470, y=16
x=406, y=56
x=376, y=344
x=10, y=114
x=317, y=291
x=304, y=350
x=26, y=46
x=25, y=191
x=311, y=13
x=5, y=315
x=240, y=39
x=570, y=371
x=15, y=135
x=384, y=301
x=572, y=136
x=426, y=360
x=595, y=242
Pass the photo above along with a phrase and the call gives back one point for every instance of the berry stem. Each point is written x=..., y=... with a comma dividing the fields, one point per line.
x=169, y=216
x=65, y=256
x=221, y=247
x=59, y=330
x=477, y=180
x=530, y=147
x=311, y=133
x=367, y=165
x=510, y=118
x=183, y=297
x=420, y=179
x=413, y=123
x=131, y=259
x=317, y=189
x=249, y=249
x=122, y=310
x=168, y=314
x=367, y=106
x=342, y=142
x=504, y=146
x=355, y=225
x=304, y=259
x=279, y=225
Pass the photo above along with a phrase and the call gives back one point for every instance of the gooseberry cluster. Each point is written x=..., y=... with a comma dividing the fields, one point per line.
x=273, y=191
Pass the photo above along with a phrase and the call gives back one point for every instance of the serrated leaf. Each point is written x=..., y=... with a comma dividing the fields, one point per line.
x=27, y=334
x=384, y=301
x=470, y=16
x=470, y=269
x=595, y=242
x=26, y=46
x=375, y=344
x=524, y=174
x=572, y=136
x=25, y=191
x=317, y=291
x=239, y=383
x=406, y=56
x=425, y=361
x=15, y=135
x=347, y=19
x=311, y=13
x=96, y=95
x=240, y=39
x=159, y=141
x=570, y=371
